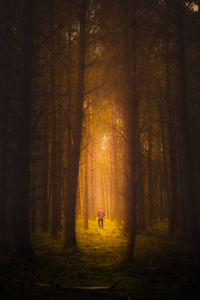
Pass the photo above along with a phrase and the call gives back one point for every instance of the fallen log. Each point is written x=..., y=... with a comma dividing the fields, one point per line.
x=90, y=289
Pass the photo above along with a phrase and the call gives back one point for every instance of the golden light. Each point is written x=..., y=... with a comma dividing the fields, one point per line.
x=193, y=6
x=104, y=142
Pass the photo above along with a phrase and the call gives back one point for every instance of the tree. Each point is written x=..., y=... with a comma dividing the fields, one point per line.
x=70, y=238
x=188, y=176
x=21, y=234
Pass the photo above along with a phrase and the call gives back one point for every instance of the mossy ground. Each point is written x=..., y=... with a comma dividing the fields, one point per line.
x=162, y=268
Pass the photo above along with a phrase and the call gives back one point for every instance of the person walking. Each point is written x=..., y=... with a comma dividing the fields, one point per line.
x=101, y=215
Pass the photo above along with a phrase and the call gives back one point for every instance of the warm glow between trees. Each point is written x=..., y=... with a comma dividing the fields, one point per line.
x=104, y=145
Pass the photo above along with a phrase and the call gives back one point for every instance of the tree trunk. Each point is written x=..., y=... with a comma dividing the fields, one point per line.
x=21, y=234
x=131, y=119
x=70, y=238
x=92, y=172
x=189, y=180
x=56, y=201
x=69, y=139
x=116, y=202
x=86, y=177
x=173, y=147
x=5, y=52
x=44, y=209
x=150, y=171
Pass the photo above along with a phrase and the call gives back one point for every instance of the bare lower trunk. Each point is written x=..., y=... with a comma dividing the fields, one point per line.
x=86, y=179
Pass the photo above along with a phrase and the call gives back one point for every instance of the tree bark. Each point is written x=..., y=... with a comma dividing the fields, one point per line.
x=189, y=180
x=86, y=177
x=131, y=119
x=5, y=52
x=56, y=201
x=69, y=138
x=21, y=234
x=70, y=235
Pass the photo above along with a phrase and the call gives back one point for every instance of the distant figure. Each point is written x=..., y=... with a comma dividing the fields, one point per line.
x=101, y=215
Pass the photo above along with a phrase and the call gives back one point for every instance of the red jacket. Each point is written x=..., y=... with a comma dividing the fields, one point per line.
x=101, y=213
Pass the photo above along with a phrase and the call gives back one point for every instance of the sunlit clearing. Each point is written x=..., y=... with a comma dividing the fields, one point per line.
x=111, y=239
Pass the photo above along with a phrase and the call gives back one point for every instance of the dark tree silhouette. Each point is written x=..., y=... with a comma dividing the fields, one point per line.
x=21, y=231
x=70, y=238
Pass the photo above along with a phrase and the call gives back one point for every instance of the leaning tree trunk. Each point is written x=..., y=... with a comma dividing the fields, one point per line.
x=70, y=234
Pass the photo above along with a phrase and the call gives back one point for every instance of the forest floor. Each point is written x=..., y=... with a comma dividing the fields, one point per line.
x=163, y=268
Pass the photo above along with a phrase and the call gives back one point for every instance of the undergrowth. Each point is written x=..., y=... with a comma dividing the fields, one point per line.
x=100, y=260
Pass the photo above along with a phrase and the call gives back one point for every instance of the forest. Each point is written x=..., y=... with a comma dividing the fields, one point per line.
x=100, y=108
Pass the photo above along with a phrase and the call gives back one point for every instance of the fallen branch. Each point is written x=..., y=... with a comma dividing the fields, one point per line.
x=177, y=274
x=111, y=289
x=96, y=289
